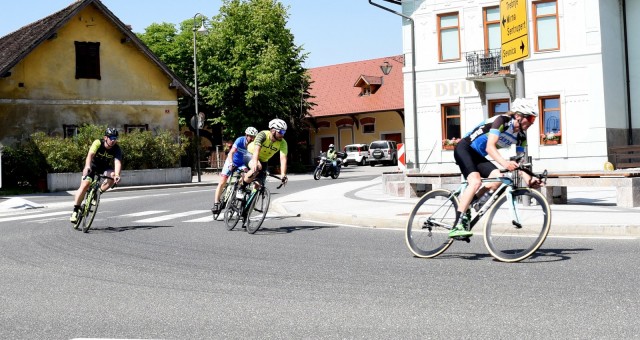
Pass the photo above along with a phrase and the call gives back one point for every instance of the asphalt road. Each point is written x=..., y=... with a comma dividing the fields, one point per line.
x=156, y=266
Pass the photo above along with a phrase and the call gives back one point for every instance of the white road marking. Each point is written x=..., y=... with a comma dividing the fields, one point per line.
x=172, y=216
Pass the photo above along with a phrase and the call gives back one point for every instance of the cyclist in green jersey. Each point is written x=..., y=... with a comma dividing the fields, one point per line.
x=98, y=160
x=265, y=146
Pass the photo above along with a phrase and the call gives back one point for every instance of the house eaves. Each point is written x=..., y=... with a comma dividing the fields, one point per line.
x=17, y=45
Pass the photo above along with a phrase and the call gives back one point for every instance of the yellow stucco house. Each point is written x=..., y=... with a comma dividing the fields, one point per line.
x=82, y=65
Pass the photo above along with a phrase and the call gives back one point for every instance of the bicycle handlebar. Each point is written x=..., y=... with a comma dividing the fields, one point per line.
x=524, y=167
x=282, y=183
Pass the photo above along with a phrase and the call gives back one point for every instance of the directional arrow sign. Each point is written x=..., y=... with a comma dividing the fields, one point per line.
x=514, y=30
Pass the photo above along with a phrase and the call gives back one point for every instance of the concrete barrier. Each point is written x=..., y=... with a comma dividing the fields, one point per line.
x=71, y=180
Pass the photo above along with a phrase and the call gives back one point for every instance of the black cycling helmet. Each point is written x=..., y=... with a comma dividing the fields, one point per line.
x=111, y=132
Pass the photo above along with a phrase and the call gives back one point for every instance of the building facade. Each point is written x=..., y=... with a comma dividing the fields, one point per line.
x=356, y=103
x=82, y=65
x=583, y=70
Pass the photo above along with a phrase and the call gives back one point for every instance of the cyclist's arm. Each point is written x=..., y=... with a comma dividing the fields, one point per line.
x=283, y=165
x=492, y=150
x=89, y=159
x=254, y=164
x=117, y=168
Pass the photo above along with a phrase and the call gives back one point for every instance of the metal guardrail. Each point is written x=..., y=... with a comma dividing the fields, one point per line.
x=486, y=64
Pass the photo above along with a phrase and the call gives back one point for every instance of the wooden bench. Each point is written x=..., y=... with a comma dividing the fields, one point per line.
x=625, y=157
x=417, y=184
x=627, y=184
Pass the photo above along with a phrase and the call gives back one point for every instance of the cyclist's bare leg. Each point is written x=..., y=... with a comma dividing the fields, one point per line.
x=84, y=185
x=108, y=183
x=474, y=182
x=223, y=181
x=254, y=170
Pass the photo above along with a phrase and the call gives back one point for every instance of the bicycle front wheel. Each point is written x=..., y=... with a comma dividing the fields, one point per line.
x=432, y=218
x=258, y=208
x=514, y=231
x=91, y=203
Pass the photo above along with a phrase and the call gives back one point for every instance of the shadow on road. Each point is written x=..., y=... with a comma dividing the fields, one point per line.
x=128, y=228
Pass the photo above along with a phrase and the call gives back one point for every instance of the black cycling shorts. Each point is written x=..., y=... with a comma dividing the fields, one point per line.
x=469, y=160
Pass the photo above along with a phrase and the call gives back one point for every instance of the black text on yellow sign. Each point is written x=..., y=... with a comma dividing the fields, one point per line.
x=514, y=31
x=515, y=50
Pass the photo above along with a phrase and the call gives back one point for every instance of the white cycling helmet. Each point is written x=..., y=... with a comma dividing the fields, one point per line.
x=525, y=107
x=331, y=146
x=251, y=131
x=277, y=124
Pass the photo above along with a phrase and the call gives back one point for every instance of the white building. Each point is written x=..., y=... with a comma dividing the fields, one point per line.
x=583, y=69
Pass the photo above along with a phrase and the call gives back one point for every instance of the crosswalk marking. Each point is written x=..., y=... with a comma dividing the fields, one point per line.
x=172, y=216
x=202, y=219
x=145, y=213
x=26, y=217
x=58, y=215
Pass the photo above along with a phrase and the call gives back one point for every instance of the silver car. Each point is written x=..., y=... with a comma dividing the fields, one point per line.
x=383, y=152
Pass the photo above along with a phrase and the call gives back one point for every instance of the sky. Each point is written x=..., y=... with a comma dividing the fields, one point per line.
x=331, y=31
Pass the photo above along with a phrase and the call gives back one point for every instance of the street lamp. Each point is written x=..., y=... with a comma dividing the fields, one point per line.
x=386, y=68
x=202, y=29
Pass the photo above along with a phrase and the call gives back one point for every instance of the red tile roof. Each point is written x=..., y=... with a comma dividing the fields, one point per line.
x=335, y=94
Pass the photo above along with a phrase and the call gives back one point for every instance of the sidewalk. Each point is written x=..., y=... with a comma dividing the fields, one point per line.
x=589, y=212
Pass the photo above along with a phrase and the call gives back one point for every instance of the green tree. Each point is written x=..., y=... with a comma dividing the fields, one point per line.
x=251, y=69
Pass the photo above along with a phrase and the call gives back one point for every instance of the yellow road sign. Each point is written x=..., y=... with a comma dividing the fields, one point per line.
x=514, y=30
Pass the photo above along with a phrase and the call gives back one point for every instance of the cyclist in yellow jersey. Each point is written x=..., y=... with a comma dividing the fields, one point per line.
x=267, y=144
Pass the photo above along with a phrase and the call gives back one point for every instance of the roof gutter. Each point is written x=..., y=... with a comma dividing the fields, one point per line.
x=416, y=164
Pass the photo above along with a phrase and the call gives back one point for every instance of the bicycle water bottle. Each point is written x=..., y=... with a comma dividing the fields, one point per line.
x=482, y=200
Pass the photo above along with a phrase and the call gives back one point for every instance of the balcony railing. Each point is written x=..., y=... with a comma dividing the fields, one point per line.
x=484, y=64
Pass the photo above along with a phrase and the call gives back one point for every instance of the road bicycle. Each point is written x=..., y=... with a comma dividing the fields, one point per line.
x=228, y=191
x=90, y=203
x=518, y=221
x=251, y=207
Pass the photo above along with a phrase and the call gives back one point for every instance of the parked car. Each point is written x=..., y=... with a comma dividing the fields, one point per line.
x=383, y=152
x=356, y=154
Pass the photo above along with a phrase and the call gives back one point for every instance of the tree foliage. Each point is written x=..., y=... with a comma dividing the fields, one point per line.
x=253, y=69
x=249, y=68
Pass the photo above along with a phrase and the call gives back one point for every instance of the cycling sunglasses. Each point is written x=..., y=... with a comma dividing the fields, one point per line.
x=530, y=118
x=113, y=138
x=282, y=132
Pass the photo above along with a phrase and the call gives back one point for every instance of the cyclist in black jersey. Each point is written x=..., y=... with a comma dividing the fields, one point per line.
x=485, y=139
x=98, y=160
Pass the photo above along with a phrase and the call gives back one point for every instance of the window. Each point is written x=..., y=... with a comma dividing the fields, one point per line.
x=545, y=23
x=368, y=124
x=128, y=128
x=449, y=36
x=498, y=107
x=70, y=130
x=550, y=120
x=492, y=37
x=87, y=60
x=451, y=121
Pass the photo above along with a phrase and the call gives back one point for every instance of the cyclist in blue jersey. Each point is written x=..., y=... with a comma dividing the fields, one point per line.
x=235, y=159
x=497, y=132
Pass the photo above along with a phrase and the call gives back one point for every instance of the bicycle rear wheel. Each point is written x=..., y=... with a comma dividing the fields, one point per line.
x=90, y=210
x=258, y=210
x=427, y=233
x=233, y=211
x=514, y=231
